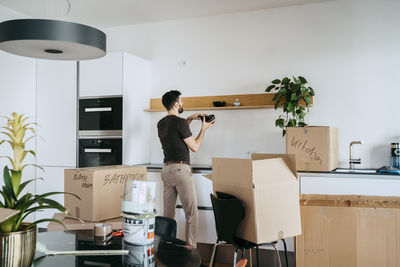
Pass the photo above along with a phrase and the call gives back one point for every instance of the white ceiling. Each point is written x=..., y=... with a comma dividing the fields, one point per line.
x=108, y=13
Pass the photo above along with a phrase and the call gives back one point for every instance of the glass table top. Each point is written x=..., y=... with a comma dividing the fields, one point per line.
x=163, y=252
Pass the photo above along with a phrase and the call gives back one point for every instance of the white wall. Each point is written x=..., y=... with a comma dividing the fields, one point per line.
x=8, y=14
x=348, y=51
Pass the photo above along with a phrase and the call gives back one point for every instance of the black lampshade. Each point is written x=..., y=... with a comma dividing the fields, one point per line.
x=52, y=39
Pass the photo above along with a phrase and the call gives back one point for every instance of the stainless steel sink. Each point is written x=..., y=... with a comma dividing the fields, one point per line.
x=344, y=170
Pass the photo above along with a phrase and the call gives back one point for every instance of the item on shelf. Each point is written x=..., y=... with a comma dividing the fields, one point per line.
x=236, y=103
x=219, y=103
x=209, y=118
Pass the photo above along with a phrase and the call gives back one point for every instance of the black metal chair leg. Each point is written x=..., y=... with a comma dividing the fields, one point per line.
x=235, y=257
x=215, y=257
x=286, y=255
x=243, y=253
x=257, y=255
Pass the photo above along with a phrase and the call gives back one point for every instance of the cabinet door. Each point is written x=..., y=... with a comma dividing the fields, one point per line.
x=101, y=77
x=136, y=122
x=351, y=184
x=53, y=181
x=156, y=177
x=206, y=228
x=18, y=84
x=56, y=113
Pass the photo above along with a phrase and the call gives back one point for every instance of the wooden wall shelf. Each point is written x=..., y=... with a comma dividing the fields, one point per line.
x=247, y=101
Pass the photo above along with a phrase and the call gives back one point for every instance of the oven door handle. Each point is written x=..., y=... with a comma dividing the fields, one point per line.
x=98, y=150
x=104, y=109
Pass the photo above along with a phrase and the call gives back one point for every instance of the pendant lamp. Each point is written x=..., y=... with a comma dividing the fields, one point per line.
x=52, y=39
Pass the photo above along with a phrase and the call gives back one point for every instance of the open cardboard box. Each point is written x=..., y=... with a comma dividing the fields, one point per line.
x=100, y=190
x=269, y=188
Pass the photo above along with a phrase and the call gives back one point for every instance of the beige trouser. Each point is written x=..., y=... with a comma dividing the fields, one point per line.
x=178, y=180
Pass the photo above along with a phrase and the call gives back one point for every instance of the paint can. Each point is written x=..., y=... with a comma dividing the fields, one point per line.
x=139, y=256
x=139, y=228
x=139, y=197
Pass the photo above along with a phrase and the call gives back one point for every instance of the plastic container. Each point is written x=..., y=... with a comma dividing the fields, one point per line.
x=139, y=197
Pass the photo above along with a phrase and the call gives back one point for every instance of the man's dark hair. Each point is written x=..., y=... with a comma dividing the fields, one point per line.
x=169, y=98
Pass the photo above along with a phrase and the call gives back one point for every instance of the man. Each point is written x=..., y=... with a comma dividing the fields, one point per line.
x=176, y=140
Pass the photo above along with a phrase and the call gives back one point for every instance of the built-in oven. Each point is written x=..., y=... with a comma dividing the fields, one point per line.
x=100, y=116
x=100, y=131
x=99, y=151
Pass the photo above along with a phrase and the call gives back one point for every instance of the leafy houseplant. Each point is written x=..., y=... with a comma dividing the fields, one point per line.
x=13, y=228
x=28, y=203
x=295, y=96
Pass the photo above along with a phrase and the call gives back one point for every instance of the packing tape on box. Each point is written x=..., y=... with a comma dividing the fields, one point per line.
x=102, y=229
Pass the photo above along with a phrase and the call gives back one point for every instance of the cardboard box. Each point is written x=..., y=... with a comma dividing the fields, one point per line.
x=100, y=190
x=316, y=148
x=74, y=224
x=344, y=231
x=268, y=186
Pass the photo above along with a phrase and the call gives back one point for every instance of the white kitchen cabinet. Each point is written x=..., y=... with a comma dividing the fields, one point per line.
x=136, y=122
x=56, y=113
x=101, y=77
x=350, y=184
x=206, y=230
x=53, y=181
x=127, y=75
x=18, y=86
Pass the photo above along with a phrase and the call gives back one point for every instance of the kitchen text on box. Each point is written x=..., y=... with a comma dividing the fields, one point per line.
x=308, y=150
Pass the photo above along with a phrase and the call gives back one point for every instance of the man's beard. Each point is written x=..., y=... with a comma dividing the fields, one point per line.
x=180, y=110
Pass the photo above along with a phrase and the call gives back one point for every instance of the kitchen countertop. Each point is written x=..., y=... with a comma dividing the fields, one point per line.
x=197, y=168
x=355, y=172
x=205, y=168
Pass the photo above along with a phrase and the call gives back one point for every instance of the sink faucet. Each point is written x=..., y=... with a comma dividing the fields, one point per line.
x=351, y=160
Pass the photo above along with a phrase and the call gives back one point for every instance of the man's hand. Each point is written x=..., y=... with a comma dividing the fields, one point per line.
x=191, y=142
x=195, y=117
x=205, y=125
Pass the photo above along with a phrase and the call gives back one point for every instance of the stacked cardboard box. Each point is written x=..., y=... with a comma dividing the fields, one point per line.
x=316, y=148
x=100, y=190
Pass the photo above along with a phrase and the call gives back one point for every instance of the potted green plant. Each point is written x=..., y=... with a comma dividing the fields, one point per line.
x=295, y=95
x=18, y=238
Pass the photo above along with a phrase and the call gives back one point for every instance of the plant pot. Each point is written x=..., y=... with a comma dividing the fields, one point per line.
x=17, y=249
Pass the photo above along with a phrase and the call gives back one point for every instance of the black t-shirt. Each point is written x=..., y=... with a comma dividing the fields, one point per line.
x=171, y=131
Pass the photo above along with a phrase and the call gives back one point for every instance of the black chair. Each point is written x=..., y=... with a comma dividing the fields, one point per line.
x=165, y=226
x=229, y=211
